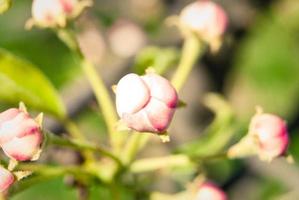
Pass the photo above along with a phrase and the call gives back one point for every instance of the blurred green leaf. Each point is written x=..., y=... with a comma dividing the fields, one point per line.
x=120, y=192
x=48, y=190
x=41, y=47
x=160, y=59
x=266, y=69
x=218, y=135
x=222, y=170
x=270, y=189
x=22, y=81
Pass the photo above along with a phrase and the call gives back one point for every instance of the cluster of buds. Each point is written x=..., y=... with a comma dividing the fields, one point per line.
x=267, y=138
x=20, y=138
x=209, y=191
x=55, y=13
x=206, y=19
x=146, y=103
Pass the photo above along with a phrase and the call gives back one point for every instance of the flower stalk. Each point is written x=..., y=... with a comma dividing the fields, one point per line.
x=98, y=86
x=193, y=48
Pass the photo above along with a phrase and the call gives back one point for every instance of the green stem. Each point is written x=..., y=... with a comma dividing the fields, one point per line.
x=213, y=157
x=75, y=132
x=135, y=143
x=105, y=103
x=151, y=164
x=192, y=49
x=79, y=145
x=51, y=170
x=98, y=86
x=179, y=160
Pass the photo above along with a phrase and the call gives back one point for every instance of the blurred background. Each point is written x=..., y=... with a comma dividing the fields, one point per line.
x=257, y=65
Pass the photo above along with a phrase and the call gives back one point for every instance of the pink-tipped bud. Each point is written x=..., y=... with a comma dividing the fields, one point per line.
x=272, y=135
x=205, y=18
x=146, y=103
x=6, y=179
x=55, y=13
x=267, y=138
x=209, y=191
x=20, y=135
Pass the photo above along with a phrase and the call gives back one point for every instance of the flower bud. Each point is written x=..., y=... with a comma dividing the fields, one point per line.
x=272, y=135
x=209, y=191
x=146, y=103
x=6, y=179
x=205, y=18
x=267, y=138
x=20, y=135
x=55, y=13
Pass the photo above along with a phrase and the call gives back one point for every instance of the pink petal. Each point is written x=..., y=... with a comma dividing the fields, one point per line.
x=6, y=179
x=131, y=94
x=159, y=114
x=23, y=148
x=161, y=89
x=138, y=121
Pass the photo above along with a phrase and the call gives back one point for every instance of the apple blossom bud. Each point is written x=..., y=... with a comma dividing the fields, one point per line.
x=6, y=179
x=20, y=135
x=267, y=138
x=205, y=18
x=55, y=13
x=272, y=135
x=146, y=103
x=209, y=191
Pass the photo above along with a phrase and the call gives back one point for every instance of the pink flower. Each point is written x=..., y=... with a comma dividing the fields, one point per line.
x=146, y=103
x=209, y=191
x=6, y=179
x=206, y=18
x=53, y=13
x=20, y=135
x=271, y=133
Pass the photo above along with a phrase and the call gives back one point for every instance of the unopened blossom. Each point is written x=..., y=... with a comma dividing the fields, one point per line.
x=146, y=103
x=20, y=135
x=271, y=133
x=209, y=191
x=6, y=179
x=55, y=13
x=205, y=18
x=267, y=138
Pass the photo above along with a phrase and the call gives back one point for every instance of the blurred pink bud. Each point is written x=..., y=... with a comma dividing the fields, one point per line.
x=206, y=18
x=52, y=13
x=20, y=135
x=126, y=38
x=6, y=179
x=146, y=103
x=209, y=191
x=272, y=135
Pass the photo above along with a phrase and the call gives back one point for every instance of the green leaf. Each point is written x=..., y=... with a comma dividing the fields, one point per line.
x=46, y=190
x=22, y=81
x=267, y=67
x=160, y=59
